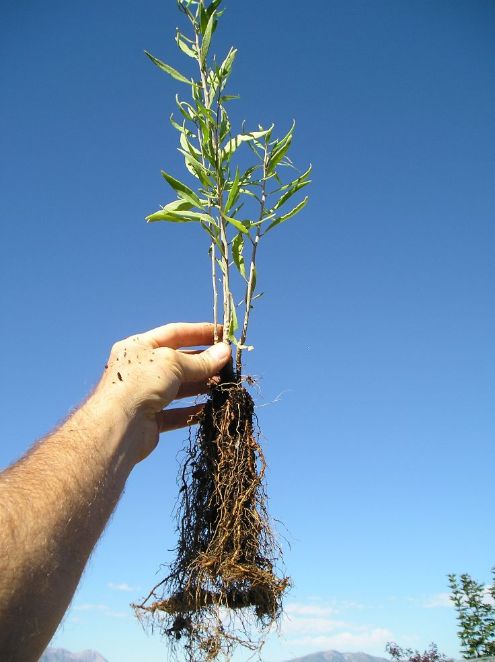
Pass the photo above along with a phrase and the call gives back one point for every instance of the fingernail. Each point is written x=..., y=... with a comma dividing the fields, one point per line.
x=220, y=351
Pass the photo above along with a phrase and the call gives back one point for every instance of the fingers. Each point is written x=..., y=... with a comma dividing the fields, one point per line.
x=182, y=334
x=173, y=419
x=196, y=388
x=199, y=367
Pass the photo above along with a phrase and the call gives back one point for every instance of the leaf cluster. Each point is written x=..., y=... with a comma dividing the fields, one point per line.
x=475, y=606
x=210, y=149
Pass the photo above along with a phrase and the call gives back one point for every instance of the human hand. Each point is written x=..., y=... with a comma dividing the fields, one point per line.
x=146, y=372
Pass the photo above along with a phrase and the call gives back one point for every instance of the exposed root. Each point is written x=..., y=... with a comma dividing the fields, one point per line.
x=222, y=588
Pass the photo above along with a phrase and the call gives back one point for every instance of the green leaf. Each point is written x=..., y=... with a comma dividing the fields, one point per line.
x=226, y=66
x=181, y=128
x=234, y=143
x=215, y=82
x=196, y=168
x=225, y=125
x=182, y=189
x=234, y=325
x=237, y=224
x=246, y=191
x=253, y=277
x=247, y=173
x=214, y=233
x=168, y=69
x=293, y=212
x=205, y=46
x=233, y=193
x=296, y=181
x=221, y=265
x=212, y=6
x=286, y=196
x=186, y=110
x=280, y=149
x=229, y=97
x=203, y=18
x=176, y=205
x=184, y=47
x=237, y=250
x=206, y=113
x=188, y=146
x=179, y=217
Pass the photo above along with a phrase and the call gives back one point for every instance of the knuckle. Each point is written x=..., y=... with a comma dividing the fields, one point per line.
x=172, y=361
x=204, y=364
x=173, y=333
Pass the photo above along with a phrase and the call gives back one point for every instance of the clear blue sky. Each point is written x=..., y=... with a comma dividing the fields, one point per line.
x=374, y=340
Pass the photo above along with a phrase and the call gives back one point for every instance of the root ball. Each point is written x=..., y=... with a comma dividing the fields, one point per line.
x=223, y=588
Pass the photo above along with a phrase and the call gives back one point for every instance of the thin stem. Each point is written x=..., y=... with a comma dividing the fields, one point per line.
x=215, y=293
x=227, y=311
x=204, y=86
x=252, y=270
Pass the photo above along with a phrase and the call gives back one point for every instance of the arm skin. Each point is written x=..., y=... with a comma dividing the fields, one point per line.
x=56, y=500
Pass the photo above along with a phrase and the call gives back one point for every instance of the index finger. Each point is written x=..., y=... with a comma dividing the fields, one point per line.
x=182, y=334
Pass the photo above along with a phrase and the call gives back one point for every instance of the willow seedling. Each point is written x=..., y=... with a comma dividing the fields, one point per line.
x=224, y=577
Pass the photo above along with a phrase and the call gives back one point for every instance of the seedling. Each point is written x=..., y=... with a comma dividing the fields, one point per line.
x=224, y=587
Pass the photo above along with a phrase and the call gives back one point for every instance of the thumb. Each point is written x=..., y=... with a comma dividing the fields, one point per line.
x=198, y=367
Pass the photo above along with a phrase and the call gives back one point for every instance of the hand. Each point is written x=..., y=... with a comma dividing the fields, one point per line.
x=146, y=372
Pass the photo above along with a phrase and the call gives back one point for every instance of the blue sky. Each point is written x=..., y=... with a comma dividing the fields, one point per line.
x=374, y=340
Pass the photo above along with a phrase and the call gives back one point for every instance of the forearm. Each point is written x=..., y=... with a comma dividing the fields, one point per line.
x=56, y=501
x=54, y=504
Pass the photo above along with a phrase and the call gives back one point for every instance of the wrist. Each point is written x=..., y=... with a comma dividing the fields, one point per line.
x=109, y=427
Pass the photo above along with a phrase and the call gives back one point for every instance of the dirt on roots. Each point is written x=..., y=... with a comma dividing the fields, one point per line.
x=222, y=589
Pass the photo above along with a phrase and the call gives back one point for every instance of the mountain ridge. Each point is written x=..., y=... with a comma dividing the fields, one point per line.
x=63, y=655
x=336, y=656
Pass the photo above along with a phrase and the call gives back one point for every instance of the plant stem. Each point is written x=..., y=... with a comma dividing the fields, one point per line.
x=206, y=99
x=252, y=271
x=215, y=293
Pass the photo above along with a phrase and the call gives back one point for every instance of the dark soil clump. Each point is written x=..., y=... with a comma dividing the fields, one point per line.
x=222, y=589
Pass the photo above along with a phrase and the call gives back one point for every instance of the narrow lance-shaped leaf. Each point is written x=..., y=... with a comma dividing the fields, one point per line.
x=184, y=46
x=212, y=6
x=226, y=66
x=181, y=128
x=225, y=125
x=234, y=143
x=168, y=69
x=182, y=189
x=214, y=233
x=237, y=253
x=237, y=224
x=186, y=110
x=189, y=147
x=253, y=276
x=299, y=179
x=196, y=168
x=288, y=194
x=177, y=205
x=233, y=193
x=280, y=150
x=205, y=46
x=221, y=265
x=234, y=325
x=293, y=212
x=179, y=217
